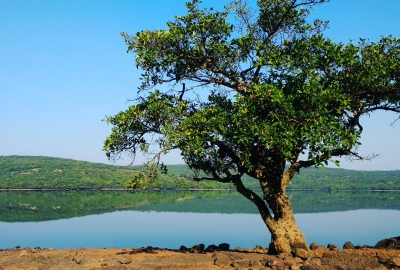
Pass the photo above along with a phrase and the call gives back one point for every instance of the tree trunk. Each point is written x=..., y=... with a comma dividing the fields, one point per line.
x=286, y=236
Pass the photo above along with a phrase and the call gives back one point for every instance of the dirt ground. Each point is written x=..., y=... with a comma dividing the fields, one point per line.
x=320, y=258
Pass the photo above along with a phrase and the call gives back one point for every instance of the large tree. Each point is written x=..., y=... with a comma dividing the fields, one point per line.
x=255, y=91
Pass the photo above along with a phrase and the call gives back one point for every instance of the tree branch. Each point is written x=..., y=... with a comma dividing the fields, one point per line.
x=296, y=166
x=252, y=196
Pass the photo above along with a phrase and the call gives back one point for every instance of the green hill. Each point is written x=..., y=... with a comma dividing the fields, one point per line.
x=31, y=172
x=38, y=172
x=47, y=172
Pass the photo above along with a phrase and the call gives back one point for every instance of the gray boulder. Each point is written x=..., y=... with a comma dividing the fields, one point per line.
x=389, y=243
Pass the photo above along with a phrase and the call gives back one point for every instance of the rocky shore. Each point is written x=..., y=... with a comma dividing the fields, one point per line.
x=384, y=255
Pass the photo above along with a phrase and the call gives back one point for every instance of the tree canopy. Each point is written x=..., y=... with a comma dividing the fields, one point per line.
x=249, y=91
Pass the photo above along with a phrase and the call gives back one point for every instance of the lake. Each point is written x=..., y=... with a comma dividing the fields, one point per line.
x=171, y=219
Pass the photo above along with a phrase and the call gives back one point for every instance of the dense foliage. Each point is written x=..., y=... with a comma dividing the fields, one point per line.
x=265, y=87
x=249, y=91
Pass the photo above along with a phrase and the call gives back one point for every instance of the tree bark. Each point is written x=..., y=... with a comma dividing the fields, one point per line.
x=275, y=207
x=277, y=213
x=286, y=236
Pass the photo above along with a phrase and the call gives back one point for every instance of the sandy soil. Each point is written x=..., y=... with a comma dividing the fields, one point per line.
x=153, y=258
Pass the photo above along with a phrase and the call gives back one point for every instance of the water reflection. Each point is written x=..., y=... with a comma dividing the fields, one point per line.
x=361, y=227
x=171, y=219
x=42, y=206
x=134, y=229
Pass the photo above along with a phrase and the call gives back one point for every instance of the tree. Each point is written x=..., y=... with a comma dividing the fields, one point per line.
x=257, y=92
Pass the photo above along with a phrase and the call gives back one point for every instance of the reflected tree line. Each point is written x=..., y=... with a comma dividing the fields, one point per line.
x=23, y=206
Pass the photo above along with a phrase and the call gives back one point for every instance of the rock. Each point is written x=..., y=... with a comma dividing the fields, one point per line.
x=319, y=252
x=223, y=247
x=259, y=249
x=183, y=248
x=314, y=246
x=123, y=259
x=274, y=264
x=211, y=248
x=314, y=261
x=389, y=243
x=303, y=254
x=332, y=247
x=244, y=250
x=294, y=267
x=377, y=259
x=342, y=260
x=316, y=264
x=197, y=248
x=290, y=261
x=348, y=245
x=396, y=261
x=244, y=263
x=221, y=259
x=383, y=257
x=224, y=259
x=77, y=260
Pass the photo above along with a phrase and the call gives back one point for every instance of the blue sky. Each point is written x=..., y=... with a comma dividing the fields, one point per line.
x=64, y=66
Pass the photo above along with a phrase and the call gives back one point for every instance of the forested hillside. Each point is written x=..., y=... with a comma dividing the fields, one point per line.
x=29, y=172
x=38, y=172
x=48, y=172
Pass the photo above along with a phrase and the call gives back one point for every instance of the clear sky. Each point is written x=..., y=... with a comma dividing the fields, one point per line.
x=64, y=66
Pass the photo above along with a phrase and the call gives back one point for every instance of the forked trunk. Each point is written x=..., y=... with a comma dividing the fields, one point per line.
x=276, y=211
x=286, y=236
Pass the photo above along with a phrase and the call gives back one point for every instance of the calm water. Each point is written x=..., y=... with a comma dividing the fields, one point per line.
x=133, y=228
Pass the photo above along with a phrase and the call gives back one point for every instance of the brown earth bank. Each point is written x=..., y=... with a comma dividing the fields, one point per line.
x=385, y=255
